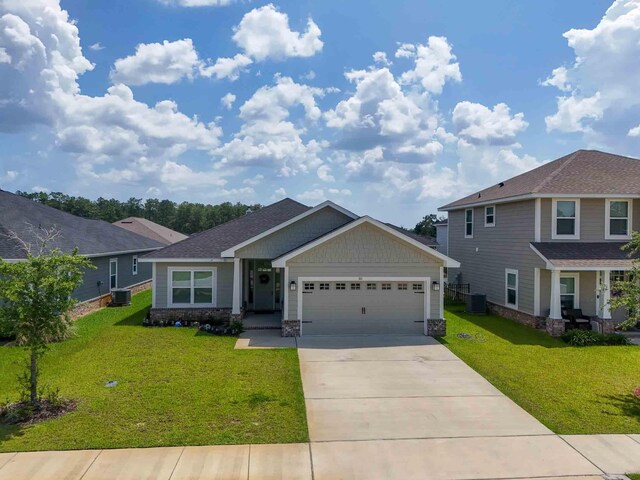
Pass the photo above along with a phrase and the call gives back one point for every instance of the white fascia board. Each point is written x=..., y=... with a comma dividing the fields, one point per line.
x=548, y=264
x=448, y=262
x=527, y=196
x=230, y=252
x=183, y=260
x=123, y=252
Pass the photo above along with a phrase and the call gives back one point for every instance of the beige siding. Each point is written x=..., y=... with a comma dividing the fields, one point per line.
x=588, y=293
x=224, y=282
x=485, y=257
x=294, y=235
x=365, y=251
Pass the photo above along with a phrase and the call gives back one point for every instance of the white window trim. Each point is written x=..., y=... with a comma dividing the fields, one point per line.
x=576, y=279
x=134, y=265
x=214, y=281
x=512, y=271
x=607, y=221
x=493, y=224
x=111, y=273
x=465, y=222
x=554, y=217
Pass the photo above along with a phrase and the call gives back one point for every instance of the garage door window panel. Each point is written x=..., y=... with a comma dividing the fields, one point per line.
x=355, y=286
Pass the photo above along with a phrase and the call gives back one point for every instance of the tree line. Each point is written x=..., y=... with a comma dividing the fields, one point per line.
x=185, y=217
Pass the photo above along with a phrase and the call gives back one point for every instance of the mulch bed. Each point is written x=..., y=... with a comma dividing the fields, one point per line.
x=23, y=413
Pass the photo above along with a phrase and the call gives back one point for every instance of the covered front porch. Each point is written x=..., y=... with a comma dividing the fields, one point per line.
x=257, y=291
x=574, y=289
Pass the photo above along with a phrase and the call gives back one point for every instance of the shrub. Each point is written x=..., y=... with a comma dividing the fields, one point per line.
x=586, y=338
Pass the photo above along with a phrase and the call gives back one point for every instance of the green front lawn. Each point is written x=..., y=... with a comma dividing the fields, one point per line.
x=571, y=390
x=175, y=387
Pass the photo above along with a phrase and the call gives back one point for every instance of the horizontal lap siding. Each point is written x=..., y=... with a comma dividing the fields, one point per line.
x=90, y=288
x=592, y=220
x=365, y=251
x=224, y=282
x=504, y=246
x=294, y=235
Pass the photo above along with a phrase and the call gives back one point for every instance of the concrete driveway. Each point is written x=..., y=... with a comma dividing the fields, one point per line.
x=385, y=406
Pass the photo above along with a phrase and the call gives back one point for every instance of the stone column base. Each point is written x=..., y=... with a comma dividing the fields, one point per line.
x=290, y=328
x=554, y=327
x=605, y=325
x=436, y=327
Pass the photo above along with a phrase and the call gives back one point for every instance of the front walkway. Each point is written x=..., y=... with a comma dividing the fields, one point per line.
x=378, y=407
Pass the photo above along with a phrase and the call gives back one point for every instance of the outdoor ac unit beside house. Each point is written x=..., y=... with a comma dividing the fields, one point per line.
x=121, y=297
x=476, y=303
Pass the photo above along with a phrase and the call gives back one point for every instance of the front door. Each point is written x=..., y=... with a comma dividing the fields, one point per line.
x=264, y=281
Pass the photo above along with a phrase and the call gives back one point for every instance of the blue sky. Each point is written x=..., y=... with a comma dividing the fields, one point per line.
x=390, y=109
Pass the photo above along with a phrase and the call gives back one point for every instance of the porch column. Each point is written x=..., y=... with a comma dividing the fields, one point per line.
x=606, y=295
x=237, y=286
x=556, y=308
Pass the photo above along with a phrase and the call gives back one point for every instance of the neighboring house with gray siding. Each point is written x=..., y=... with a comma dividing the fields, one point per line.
x=321, y=270
x=549, y=240
x=114, y=251
x=151, y=230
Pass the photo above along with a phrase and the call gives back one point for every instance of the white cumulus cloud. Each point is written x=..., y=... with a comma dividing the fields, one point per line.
x=435, y=64
x=478, y=124
x=166, y=62
x=228, y=100
x=265, y=33
x=227, y=67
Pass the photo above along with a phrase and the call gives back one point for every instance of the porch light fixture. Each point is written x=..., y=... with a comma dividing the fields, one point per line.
x=292, y=285
x=435, y=286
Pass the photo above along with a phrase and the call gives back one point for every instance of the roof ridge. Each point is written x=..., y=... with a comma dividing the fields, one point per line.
x=555, y=173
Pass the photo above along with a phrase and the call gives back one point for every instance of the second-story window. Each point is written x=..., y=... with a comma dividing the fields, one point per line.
x=618, y=219
x=490, y=216
x=468, y=223
x=566, y=219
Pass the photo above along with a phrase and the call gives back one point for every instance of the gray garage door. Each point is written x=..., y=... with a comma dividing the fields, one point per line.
x=332, y=308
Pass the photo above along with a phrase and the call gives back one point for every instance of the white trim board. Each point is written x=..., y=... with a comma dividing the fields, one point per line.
x=282, y=260
x=425, y=280
x=230, y=252
x=529, y=196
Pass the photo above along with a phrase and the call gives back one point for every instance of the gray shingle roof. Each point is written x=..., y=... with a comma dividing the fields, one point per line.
x=211, y=243
x=582, y=172
x=21, y=216
x=151, y=230
x=584, y=254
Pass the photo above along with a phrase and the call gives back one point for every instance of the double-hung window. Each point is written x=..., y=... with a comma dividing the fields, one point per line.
x=511, y=288
x=113, y=273
x=618, y=219
x=569, y=288
x=566, y=219
x=468, y=223
x=490, y=216
x=192, y=286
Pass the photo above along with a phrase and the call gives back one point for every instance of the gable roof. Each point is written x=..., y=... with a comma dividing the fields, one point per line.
x=394, y=231
x=151, y=230
x=230, y=252
x=211, y=243
x=585, y=172
x=20, y=215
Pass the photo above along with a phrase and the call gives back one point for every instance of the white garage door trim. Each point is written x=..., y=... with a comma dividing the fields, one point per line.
x=425, y=280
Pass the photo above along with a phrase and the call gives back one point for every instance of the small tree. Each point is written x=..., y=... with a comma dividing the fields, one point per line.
x=627, y=291
x=35, y=299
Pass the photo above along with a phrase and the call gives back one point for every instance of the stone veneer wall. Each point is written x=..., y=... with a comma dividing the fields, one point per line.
x=517, y=316
x=202, y=315
x=436, y=327
x=290, y=328
x=102, y=301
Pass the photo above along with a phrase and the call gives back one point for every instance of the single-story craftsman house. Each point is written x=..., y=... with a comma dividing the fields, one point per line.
x=113, y=250
x=324, y=270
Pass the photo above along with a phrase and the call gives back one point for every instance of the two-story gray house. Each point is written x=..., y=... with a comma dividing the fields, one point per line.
x=550, y=239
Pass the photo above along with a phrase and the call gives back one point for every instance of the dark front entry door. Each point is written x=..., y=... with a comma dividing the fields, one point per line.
x=264, y=278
